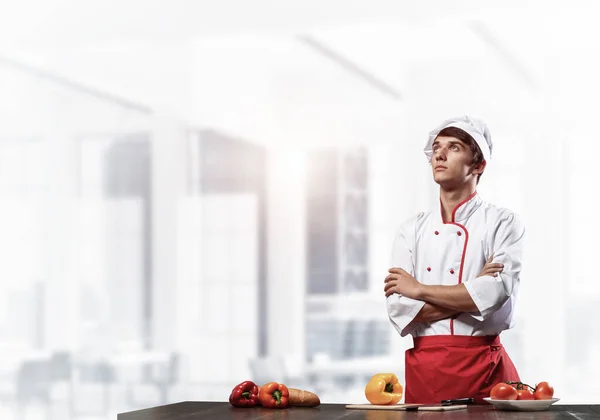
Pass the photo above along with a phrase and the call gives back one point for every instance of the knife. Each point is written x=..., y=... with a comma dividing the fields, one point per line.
x=459, y=401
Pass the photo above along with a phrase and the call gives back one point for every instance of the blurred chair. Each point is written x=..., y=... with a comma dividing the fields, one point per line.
x=267, y=369
x=61, y=366
x=87, y=373
x=288, y=369
x=35, y=378
x=157, y=369
x=163, y=376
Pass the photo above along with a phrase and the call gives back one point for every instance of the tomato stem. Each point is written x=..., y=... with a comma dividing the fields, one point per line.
x=521, y=385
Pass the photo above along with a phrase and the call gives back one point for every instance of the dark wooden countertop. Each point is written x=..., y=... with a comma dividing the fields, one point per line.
x=222, y=410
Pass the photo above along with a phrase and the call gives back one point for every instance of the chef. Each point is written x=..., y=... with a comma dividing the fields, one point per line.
x=455, y=275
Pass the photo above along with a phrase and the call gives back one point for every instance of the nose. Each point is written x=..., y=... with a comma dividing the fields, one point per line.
x=440, y=154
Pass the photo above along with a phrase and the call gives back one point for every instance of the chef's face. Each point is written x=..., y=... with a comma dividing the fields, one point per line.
x=452, y=162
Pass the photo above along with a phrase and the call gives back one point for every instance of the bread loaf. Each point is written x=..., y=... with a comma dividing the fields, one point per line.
x=302, y=398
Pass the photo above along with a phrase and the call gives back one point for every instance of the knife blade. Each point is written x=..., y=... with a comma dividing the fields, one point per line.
x=458, y=401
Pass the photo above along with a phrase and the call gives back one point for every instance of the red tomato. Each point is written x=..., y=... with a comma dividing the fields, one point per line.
x=503, y=391
x=543, y=391
x=525, y=394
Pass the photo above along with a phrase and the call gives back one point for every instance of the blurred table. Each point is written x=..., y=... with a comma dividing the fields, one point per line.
x=222, y=410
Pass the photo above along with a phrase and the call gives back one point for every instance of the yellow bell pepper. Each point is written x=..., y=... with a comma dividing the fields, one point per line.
x=384, y=389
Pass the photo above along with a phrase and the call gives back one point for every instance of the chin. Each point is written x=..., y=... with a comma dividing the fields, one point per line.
x=439, y=179
x=444, y=181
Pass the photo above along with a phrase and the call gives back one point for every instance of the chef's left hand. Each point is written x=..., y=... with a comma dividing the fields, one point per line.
x=399, y=281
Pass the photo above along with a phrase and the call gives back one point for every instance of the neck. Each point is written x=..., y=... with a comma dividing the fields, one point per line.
x=451, y=198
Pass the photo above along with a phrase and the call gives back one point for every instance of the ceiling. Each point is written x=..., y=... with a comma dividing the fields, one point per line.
x=320, y=70
x=52, y=23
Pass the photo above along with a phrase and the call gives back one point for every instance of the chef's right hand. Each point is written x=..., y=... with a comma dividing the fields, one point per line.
x=490, y=268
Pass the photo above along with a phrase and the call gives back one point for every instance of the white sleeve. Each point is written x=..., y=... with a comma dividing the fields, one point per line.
x=402, y=310
x=490, y=293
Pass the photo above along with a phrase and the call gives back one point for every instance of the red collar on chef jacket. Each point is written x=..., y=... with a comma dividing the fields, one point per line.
x=464, y=209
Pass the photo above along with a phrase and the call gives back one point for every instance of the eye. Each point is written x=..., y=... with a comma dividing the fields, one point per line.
x=455, y=147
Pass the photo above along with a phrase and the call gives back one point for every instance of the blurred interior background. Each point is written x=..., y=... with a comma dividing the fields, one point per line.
x=197, y=193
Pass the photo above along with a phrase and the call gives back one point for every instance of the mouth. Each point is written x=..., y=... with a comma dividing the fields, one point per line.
x=440, y=168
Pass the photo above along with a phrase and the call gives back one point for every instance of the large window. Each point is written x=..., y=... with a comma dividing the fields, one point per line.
x=115, y=271
x=228, y=189
x=338, y=258
x=23, y=284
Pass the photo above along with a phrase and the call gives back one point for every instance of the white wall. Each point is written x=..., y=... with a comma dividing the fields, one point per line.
x=534, y=84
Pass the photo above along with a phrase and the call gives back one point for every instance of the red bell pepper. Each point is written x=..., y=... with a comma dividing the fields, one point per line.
x=244, y=395
x=274, y=395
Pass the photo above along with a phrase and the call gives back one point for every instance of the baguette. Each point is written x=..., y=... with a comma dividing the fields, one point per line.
x=302, y=398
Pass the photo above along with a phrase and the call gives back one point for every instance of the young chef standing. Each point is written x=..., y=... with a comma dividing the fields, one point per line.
x=455, y=275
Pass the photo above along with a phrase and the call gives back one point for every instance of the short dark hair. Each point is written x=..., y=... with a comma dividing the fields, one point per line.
x=467, y=139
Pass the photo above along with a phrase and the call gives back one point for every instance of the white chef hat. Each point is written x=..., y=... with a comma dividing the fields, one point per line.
x=475, y=127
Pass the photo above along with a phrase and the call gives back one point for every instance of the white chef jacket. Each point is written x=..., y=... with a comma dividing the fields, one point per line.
x=438, y=253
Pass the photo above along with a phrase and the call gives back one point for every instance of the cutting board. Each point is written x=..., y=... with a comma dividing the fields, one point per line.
x=405, y=407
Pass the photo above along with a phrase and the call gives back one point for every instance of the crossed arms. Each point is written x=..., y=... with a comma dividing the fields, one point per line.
x=440, y=301
x=410, y=302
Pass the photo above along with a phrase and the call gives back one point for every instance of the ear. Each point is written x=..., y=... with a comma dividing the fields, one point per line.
x=479, y=168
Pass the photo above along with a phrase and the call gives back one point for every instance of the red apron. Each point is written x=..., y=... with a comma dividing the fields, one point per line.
x=445, y=367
